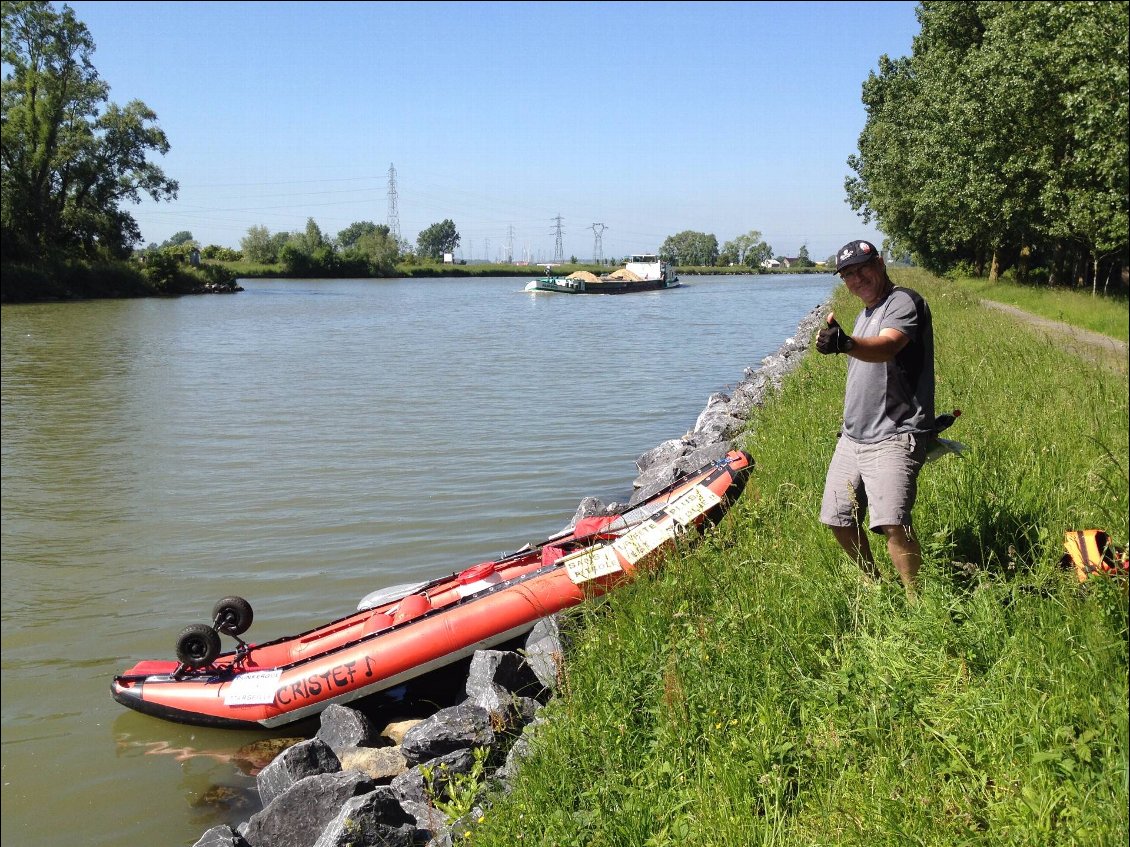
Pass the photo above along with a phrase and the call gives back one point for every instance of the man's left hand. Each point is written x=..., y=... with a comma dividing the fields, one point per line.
x=832, y=338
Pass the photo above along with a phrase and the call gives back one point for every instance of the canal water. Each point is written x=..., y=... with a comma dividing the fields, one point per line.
x=299, y=444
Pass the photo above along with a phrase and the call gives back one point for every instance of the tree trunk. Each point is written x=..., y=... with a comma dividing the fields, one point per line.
x=1022, y=264
x=995, y=267
x=1056, y=266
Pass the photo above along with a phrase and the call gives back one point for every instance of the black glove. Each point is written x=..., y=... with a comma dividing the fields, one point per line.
x=833, y=339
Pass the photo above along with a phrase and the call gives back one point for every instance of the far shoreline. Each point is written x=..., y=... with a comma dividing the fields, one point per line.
x=123, y=281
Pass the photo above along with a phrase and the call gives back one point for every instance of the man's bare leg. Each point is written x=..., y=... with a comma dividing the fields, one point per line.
x=906, y=555
x=854, y=541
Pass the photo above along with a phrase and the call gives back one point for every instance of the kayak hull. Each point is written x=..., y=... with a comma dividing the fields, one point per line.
x=448, y=619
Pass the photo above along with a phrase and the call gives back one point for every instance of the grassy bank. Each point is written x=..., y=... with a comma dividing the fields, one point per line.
x=756, y=692
x=1108, y=315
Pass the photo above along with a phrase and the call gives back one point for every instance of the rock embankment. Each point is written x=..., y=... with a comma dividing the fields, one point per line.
x=350, y=785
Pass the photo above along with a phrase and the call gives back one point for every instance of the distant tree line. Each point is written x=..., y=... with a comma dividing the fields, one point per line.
x=690, y=248
x=363, y=248
x=1001, y=141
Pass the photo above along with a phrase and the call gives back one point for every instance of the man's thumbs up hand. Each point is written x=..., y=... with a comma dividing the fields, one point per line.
x=832, y=338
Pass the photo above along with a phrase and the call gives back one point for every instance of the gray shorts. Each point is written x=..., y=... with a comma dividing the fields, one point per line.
x=878, y=480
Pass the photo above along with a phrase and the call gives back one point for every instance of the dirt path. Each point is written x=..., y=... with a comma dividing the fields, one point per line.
x=1093, y=345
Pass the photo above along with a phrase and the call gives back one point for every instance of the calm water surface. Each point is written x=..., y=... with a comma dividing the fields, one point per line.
x=299, y=444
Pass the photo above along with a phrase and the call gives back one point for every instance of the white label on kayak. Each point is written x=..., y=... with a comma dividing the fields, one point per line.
x=591, y=563
x=478, y=585
x=253, y=689
x=642, y=539
x=691, y=505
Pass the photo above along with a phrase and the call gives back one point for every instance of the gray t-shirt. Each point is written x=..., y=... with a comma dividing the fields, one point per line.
x=884, y=399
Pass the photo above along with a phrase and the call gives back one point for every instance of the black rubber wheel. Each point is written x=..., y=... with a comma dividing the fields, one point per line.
x=233, y=616
x=198, y=645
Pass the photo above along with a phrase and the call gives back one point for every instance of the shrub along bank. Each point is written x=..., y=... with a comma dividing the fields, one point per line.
x=755, y=691
x=65, y=278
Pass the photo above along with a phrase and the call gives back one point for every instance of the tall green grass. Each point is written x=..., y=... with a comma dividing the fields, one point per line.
x=756, y=691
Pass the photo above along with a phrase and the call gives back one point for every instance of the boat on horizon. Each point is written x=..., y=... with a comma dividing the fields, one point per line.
x=642, y=272
x=399, y=635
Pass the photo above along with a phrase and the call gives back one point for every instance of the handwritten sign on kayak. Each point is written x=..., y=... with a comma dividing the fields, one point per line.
x=692, y=505
x=641, y=540
x=590, y=563
x=253, y=689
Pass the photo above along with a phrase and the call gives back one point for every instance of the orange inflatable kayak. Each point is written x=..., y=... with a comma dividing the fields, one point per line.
x=388, y=642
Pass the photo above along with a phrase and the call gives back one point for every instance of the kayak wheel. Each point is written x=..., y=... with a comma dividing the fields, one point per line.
x=198, y=645
x=233, y=616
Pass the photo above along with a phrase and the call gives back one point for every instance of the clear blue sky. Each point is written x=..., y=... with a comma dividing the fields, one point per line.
x=651, y=118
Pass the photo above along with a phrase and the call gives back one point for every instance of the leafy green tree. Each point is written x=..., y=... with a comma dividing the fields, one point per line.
x=748, y=250
x=994, y=140
x=179, y=238
x=370, y=246
x=379, y=250
x=690, y=248
x=1082, y=179
x=222, y=254
x=258, y=247
x=180, y=244
x=68, y=158
x=295, y=261
x=438, y=239
x=311, y=239
x=350, y=235
x=803, y=260
x=277, y=241
x=758, y=253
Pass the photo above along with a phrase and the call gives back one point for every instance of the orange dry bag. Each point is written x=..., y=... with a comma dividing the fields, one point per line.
x=1090, y=552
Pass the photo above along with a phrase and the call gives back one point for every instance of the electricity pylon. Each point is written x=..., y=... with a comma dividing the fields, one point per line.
x=597, y=244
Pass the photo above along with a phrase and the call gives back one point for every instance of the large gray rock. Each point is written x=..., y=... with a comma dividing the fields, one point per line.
x=428, y=817
x=497, y=677
x=343, y=727
x=221, y=836
x=545, y=652
x=665, y=454
x=297, y=817
x=375, y=819
x=717, y=422
x=592, y=507
x=589, y=507
x=454, y=728
x=748, y=395
x=651, y=482
x=296, y=763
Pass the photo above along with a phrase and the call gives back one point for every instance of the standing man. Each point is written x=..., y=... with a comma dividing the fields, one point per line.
x=888, y=414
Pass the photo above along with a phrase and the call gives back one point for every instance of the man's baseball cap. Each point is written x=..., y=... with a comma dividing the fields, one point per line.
x=855, y=253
